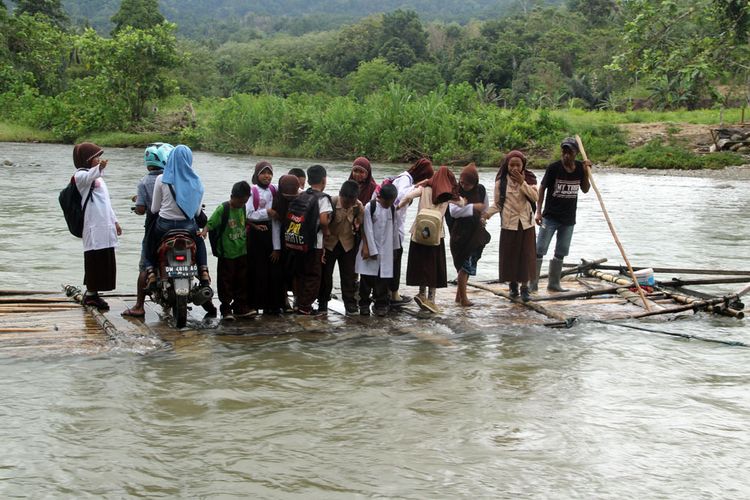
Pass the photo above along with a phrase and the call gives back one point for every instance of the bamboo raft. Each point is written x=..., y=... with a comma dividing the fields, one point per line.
x=47, y=322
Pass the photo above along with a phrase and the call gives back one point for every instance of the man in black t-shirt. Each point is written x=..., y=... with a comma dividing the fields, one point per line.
x=556, y=211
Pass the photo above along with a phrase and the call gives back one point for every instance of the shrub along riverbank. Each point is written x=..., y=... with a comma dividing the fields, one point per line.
x=452, y=126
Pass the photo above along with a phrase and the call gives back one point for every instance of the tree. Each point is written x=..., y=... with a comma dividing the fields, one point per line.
x=353, y=45
x=406, y=26
x=397, y=52
x=597, y=12
x=140, y=14
x=422, y=78
x=38, y=51
x=371, y=76
x=681, y=47
x=53, y=9
x=132, y=64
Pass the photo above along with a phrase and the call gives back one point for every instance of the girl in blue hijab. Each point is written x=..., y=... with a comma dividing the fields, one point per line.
x=178, y=193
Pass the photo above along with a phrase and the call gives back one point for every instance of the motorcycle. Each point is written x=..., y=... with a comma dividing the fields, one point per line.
x=177, y=276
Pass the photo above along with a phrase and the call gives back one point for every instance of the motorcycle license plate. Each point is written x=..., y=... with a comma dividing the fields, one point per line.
x=181, y=271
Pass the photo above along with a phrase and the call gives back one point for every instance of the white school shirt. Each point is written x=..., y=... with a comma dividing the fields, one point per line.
x=265, y=202
x=99, y=220
x=324, y=206
x=403, y=183
x=458, y=212
x=381, y=232
x=164, y=203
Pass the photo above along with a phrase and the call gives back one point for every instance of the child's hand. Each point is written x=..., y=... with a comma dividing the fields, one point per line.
x=275, y=256
x=118, y=229
x=258, y=227
x=272, y=213
x=103, y=164
x=365, y=252
x=203, y=232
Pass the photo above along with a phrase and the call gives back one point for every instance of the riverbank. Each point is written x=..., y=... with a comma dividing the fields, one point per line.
x=342, y=128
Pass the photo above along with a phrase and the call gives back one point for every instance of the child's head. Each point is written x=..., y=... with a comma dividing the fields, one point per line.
x=361, y=170
x=156, y=155
x=300, y=175
x=263, y=173
x=316, y=177
x=348, y=194
x=86, y=155
x=387, y=195
x=240, y=194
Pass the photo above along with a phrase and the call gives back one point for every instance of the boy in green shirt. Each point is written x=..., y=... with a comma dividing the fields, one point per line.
x=229, y=246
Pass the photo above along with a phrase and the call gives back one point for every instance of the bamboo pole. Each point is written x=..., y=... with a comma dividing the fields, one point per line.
x=677, y=282
x=531, y=305
x=719, y=305
x=578, y=268
x=612, y=228
x=579, y=295
x=26, y=292
x=672, y=270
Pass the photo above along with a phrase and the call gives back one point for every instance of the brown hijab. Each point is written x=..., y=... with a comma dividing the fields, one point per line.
x=421, y=170
x=503, y=171
x=288, y=190
x=470, y=175
x=444, y=186
x=368, y=186
x=84, y=152
x=260, y=167
x=468, y=235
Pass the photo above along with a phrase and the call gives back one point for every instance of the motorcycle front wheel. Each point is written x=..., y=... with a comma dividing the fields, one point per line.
x=180, y=310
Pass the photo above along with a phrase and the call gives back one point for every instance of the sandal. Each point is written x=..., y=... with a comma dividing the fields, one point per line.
x=131, y=314
x=97, y=302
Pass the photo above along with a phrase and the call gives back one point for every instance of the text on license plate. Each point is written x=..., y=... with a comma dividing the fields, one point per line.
x=181, y=270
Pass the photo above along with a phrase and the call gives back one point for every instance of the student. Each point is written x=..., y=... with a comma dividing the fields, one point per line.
x=231, y=251
x=300, y=175
x=340, y=247
x=362, y=175
x=287, y=192
x=556, y=211
x=468, y=235
x=155, y=157
x=316, y=208
x=100, y=226
x=178, y=210
x=515, y=195
x=404, y=182
x=375, y=257
x=426, y=264
x=263, y=277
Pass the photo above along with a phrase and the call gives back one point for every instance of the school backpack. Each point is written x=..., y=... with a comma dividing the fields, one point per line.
x=256, y=195
x=214, y=235
x=427, y=227
x=386, y=181
x=301, y=224
x=70, y=202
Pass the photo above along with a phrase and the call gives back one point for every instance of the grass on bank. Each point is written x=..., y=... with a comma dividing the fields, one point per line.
x=657, y=155
x=11, y=132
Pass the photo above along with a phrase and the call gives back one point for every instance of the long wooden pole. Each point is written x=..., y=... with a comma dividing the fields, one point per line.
x=674, y=270
x=612, y=228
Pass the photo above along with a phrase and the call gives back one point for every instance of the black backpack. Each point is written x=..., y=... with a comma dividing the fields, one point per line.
x=70, y=202
x=301, y=224
x=214, y=235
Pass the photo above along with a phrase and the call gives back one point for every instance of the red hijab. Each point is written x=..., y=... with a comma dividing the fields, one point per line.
x=367, y=186
x=421, y=170
x=444, y=186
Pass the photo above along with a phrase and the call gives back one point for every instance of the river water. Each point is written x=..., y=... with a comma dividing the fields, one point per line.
x=596, y=411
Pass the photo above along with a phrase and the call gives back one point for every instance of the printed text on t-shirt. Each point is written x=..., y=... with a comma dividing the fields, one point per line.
x=566, y=188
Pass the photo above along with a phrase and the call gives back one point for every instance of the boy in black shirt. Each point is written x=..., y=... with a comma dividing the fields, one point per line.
x=556, y=210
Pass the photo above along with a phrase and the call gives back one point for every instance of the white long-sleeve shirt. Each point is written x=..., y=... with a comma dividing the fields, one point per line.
x=99, y=220
x=381, y=233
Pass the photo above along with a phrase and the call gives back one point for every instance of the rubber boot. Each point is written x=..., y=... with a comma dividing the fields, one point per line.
x=555, y=270
x=534, y=284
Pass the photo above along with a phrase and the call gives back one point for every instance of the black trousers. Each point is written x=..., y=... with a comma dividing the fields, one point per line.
x=378, y=287
x=346, y=261
x=231, y=281
x=396, y=280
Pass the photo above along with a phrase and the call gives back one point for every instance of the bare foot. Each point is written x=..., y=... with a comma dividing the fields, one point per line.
x=466, y=303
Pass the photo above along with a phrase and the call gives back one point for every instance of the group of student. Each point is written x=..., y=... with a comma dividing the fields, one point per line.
x=274, y=238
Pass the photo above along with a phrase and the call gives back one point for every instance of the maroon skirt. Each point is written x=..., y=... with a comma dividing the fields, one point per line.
x=517, y=255
x=100, y=270
x=426, y=266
